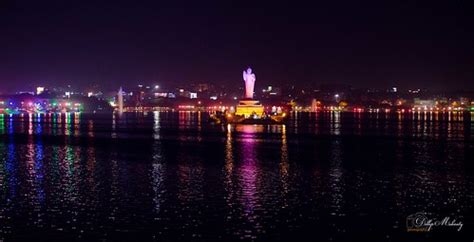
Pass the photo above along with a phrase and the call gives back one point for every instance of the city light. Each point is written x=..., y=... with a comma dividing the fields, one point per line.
x=153, y=99
x=39, y=90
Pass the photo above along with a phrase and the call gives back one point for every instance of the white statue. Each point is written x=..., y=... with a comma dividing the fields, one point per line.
x=249, y=79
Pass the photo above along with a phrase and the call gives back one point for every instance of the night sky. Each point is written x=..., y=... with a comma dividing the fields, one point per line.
x=371, y=44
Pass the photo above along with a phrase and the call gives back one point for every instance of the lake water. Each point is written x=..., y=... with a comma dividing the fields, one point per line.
x=172, y=176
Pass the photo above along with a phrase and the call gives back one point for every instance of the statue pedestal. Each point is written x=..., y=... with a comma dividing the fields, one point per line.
x=249, y=107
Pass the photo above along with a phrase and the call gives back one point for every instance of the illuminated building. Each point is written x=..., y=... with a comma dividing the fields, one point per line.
x=161, y=94
x=421, y=104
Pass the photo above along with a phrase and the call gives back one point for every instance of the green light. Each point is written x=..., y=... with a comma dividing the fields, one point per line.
x=2, y=123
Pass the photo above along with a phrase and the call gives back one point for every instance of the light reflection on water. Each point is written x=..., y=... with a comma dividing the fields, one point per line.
x=179, y=178
x=2, y=124
x=455, y=125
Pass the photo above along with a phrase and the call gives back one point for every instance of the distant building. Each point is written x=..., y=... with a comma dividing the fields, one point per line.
x=271, y=91
x=393, y=90
x=424, y=103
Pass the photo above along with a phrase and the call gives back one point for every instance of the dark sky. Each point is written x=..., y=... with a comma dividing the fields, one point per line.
x=351, y=42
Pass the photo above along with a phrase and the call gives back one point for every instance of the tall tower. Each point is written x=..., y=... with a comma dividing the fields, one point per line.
x=314, y=105
x=120, y=100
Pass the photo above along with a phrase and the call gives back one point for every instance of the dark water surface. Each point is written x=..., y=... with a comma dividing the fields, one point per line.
x=172, y=176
